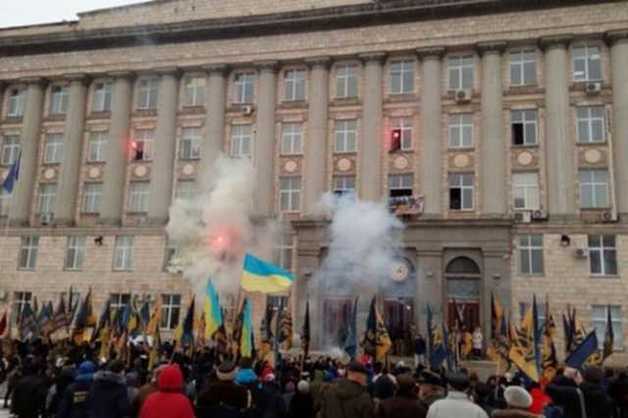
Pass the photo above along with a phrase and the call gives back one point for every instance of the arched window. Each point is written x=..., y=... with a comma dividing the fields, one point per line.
x=462, y=265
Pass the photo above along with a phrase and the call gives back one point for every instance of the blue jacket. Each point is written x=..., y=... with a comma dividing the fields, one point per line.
x=108, y=396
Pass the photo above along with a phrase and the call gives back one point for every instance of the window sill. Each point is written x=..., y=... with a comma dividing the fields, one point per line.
x=192, y=109
x=105, y=114
x=400, y=97
x=525, y=89
x=72, y=270
x=144, y=112
x=460, y=149
x=605, y=276
x=100, y=162
x=122, y=270
x=345, y=153
x=292, y=104
x=25, y=269
x=297, y=154
x=532, y=275
x=186, y=159
x=595, y=210
x=51, y=163
x=346, y=101
x=525, y=146
x=591, y=144
x=136, y=213
x=90, y=214
x=13, y=119
x=55, y=117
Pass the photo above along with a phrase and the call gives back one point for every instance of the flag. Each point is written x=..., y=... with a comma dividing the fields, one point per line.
x=246, y=334
x=184, y=334
x=430, y=329
x=46, y=320
x=60, y=316
x=27, y=322
x=144, y=315
x=4, y=323
x=262, y=276
x=376, y=339
x=305, y=334
x=459, y=313
x=536, y=335
x=103, y=321
x=568, y=335
x=14, y=173
x=522, y=351
x=212, y=311
x=152, y=327
x=583, y=351
x=351, y=341
x=549, y=357
x=497, y=317
x=84, y=320
x=609, y=336
x=285, y=328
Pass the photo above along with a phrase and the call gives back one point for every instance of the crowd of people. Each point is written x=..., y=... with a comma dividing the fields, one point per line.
x=66, y=381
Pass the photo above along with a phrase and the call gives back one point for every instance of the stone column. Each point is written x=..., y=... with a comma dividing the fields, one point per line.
x=370, y=148
x=31, y=132
x=430, y=166
x=316, y=142
x=213, y=142
x=493, y=146
x=117, y=151
x=559, y=145
x=264, y=149
x=162, y=169
x=619, y=62
x=67, y=188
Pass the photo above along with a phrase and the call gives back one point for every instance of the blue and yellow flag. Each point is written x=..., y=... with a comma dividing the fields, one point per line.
x=246, y=337
x=262, y=276
x=212, y=311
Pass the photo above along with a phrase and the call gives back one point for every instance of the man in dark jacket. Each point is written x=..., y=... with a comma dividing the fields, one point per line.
x=108, y=395
x=348, y=398
x=223, y=398
x=589, y=391
x=405, y=403
x=618, y=390
x=29, y=395
x=74, y=401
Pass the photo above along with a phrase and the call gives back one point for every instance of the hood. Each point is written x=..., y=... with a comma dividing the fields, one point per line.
x=106, y=377
x=245, y=376
x=347, y=389
x=171, y=379
x=86, y=371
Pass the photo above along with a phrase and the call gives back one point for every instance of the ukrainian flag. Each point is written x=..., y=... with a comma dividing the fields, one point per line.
x=246, y=339
x=261, y=276
x=212, y=311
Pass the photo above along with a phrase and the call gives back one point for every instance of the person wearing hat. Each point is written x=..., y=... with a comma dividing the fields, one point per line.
x=405, y=403
x=584, y=390
x=457, y=403
x=223, y=397
x=519, y=401
x=348, y=397
x=169, y=401
x=431, y=387
x=302, y=404
x=74, y=401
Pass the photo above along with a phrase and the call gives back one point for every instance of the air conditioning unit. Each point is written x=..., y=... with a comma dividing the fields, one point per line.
x=593, y=88
x=608, y=217
x=248, y=110
x=523, y=217
x=463, y=96
x=581, y=253
x=539, y=215
x=46, y=218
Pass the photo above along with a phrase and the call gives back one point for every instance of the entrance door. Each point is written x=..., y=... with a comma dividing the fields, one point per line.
x=398, y=317
x=336, y=314
x=463, y=314
x=463, y=294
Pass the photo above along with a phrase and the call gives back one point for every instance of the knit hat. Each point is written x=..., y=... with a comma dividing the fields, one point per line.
x=517, y=397
x=227, y=371
x=303, y=386
x=86, y=367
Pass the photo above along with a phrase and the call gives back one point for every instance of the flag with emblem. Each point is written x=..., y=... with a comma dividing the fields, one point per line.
x=522, y=351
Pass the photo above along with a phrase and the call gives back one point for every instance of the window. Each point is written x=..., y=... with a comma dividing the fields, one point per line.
x=92, y=194
x=10, y=149
x=461, y=72
x=344, y=185
x=241, y=141
x=400, y=185
x=75, y=253
x=523, y=124
x=587, y=64
x=244, y=88
x=289, y=193
x=531, y=254
x=292, y=138
x=96, y=146
x=599, y=321
x=282, y=254
x=525, y=190
x=603, y=255
x=190, y=144
x=194, y=91
x=16, y=103
x=53, y=152
x=294, y=85
x=346, y=81
x=170, y=311
x=185, y=189
x=118, y=303
x=402, y=77
x=523, y=67
x=590, y=126
x=594, y=190
x=405, y=126
x=58, y=100
x=28, y=253
x=5, y=202
x=123, y=253
x=46, y=198
x=20, y=301
x=346, y=134
x=461, y=191
x=461, y=130
x=101, y=101
x=147, y=93
x=138, y=196
x=142, y=146
x=172, y=252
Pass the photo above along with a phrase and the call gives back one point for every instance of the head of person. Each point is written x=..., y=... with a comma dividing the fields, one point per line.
x=245, y=363
x=458, y=381
x=430, y=384
x=406, y=386
x=156, y=372
x=356, y=372
x=517, y=397
x=226, y=372
x=116, y=366
x=303, y=387
x=593, y=375
x=171, y=379
x=86, y=370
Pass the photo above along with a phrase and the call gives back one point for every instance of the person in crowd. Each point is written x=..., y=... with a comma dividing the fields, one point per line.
x=29, y=394
x=223, y=398
x=457, y=403
x=302, y=404
x=618, y=390
x=74, y=401
x=145, y=391
x=518, y=402
x=574, y=391
x=540, y=400
x=431, y=387
x=347, y=397
x=132, y=386
x=108, y=397
x=405, y=403
x=63, y=379
x=478, y=343
x=169, y=401
x=269, y=401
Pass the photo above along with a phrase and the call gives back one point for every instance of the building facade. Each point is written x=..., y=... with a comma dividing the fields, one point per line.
x=498, y=131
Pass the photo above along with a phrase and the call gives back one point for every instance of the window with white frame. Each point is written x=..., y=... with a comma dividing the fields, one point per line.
x=346, y=81
x=344, y=185
x=602, y=255
x=10, y=149
x=591, y=124
x=101, y=100
x=194, y=91
x=400, y=185
x=594, y=189
x=20, y=301
x=282, y=254
x=53, y=150
x=461, y=191
x=59, y=100
x=170, y=311
x=123, y=253
x=461, y=130
x=587, y=62
x=138, y=196
x=241, y=141
x=405, y=126
x=531, y=254
x=599, y=321
x=16, y=101
x=525, y=191
x=92, y=196
x=147, y=93
x=346, y=132
x=460, y=70
x=46, y=198
x=291, y=138
x=523, y=124
x=294, y=85
x=402, y=77
x=118, y=303
x=5, y=202
x=142, y=145
x=185, y=190
x=74, y=253
x=523, y=67
x=96, y=146
x=244, y=88
x=29, y=247
x=190, y=144
x=289, y=193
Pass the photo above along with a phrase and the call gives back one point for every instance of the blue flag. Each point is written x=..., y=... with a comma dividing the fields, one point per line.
x=14, y=173
x=580, y=355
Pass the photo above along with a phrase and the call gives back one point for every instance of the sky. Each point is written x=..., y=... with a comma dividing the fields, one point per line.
x=30, y=12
